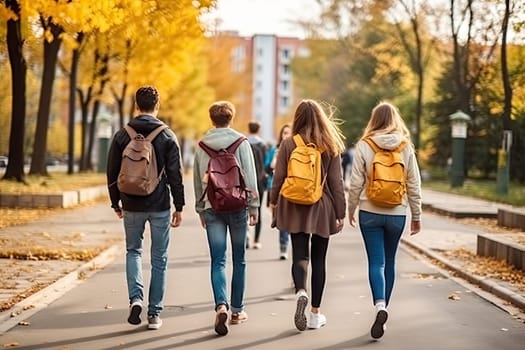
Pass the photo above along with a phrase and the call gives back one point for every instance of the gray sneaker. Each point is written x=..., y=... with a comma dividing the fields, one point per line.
x=154, y=322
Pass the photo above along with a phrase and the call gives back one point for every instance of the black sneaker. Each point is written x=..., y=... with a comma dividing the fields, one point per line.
x=378, y=328
x=134, y=312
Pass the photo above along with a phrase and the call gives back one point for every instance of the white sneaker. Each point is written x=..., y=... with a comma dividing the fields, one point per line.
x=316, y=320
x=300, y=317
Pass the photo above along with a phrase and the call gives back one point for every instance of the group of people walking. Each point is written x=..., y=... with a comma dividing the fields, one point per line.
x=308, y=227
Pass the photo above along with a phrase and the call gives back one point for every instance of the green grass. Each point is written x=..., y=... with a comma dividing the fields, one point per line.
x=483, y=189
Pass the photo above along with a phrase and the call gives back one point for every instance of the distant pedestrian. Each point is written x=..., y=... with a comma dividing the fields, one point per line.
x=284, y=236
x=310, y=226
x=218, y=224
x=259, y=150
x=346, y=162
x=382, y=227
x=154, y=208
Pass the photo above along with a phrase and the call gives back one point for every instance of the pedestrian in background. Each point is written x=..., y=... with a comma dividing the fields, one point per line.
x=310, y=226
x=382, y=227
x=218, y=224
x=154, y=208
x=259, y=150
x=284, y=237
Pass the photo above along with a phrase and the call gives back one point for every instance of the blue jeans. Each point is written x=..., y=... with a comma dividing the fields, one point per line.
x=381, y=234
x=217, y=226
x=284, y=238
x=134, y=225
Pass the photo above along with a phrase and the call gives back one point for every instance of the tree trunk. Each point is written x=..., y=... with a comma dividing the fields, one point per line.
x=15, y=46
x=72, y=99
x=103, y=74
x=38, y=161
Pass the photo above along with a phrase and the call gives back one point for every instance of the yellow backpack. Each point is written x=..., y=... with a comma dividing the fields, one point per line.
x=387, y=179
x=302, y=184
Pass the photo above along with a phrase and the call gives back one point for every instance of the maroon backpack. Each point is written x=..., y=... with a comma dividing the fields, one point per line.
x=226, y=189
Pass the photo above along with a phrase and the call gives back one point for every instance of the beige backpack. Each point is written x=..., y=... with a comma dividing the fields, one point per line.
x=139, y=174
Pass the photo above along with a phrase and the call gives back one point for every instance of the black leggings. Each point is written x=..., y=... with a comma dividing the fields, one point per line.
x=301, y=252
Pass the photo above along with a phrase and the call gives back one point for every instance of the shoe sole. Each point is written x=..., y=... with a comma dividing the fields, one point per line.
x=154, y=326
x=300, y=317
x=377, y=330
x=221, y=328
x=134, y=315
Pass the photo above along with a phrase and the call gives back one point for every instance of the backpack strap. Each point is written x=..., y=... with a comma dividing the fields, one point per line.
x=155, y=132
x=131, y=132
x=298, y=140
x=376, y=148
x=233, y=147
x=372, y=144
x=211, y=152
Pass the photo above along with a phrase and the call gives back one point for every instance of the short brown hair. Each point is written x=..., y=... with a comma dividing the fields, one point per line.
x=253, y=127
x=146, y=98
x=222, y=113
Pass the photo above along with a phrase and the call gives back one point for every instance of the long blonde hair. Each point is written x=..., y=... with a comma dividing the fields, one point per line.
x=385, y=119
x=318, y=127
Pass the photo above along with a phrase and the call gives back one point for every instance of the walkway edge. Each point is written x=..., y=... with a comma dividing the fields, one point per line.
x=485, y=284
x=44, y=297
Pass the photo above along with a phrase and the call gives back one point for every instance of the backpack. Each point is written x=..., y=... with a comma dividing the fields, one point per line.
x=302, y=184
x=226, y=189
x=138, y=174
x=259, y=154
x=387, y=180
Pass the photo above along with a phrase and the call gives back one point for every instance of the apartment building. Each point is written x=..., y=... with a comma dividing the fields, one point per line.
x=268, y=95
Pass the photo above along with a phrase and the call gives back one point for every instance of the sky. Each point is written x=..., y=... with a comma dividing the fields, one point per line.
x=249, y=17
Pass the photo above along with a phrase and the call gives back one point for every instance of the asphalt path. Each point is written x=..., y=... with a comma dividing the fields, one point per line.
x=428, y=310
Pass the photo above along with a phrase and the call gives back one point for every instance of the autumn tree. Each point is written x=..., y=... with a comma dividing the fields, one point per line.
x=15, y=46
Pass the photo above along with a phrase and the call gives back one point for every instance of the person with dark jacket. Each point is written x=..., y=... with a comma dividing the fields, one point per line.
x=154, y=208
x=310, y=226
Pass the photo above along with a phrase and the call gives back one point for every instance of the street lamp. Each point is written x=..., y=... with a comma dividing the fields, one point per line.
x=459, y=122
x=104, y=131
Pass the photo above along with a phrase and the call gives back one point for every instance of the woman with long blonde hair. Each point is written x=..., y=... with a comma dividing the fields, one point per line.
x=381, y=227
x=310, y=226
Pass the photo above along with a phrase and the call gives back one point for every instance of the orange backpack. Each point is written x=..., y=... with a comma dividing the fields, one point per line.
x=387, y=179
x=303, y=184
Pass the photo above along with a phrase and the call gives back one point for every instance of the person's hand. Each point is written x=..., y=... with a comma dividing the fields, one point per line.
x=340, y=223
x=119, y=213
x=203, y=222
x=415, y=227
x=351, y=220
x=176, y=219
x=253, y=219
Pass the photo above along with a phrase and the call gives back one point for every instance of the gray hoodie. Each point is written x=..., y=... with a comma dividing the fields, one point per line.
x=218, y=138
x=361, y=167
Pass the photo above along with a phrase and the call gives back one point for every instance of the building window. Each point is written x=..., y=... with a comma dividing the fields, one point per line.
x=286, y=68
x=284, y=85
x=286, y=53
x=284, y=102
x=259, y=68
x=260, y=52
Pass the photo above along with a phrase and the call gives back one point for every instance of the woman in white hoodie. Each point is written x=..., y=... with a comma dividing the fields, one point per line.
x=382, y=227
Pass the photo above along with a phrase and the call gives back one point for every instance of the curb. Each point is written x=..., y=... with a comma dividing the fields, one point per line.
x=44, y=297
x=487, y=285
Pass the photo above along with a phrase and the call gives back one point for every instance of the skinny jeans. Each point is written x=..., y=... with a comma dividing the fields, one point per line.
x=381, y=234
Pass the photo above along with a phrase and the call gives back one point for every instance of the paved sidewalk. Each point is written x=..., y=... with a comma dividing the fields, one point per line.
x=97, y=226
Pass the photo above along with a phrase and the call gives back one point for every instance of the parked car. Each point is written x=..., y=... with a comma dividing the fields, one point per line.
x=3, y=161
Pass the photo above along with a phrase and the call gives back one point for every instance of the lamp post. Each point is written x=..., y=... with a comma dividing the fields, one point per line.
x=104, y=131
x=459, y=122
